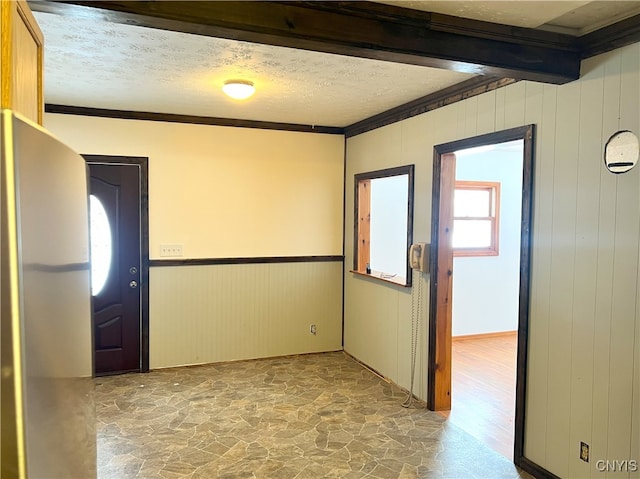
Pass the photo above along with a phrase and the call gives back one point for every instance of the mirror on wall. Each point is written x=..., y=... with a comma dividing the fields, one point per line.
x=621, y=152
x=383, y=224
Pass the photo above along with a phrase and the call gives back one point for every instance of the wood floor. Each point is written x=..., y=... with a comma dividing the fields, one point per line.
x=483, y=389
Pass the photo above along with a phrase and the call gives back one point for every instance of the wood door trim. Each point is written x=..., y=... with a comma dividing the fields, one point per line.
x=143, y=163
x=444, y=285
x=524, y=299
x=363, y=225
x=525, y=133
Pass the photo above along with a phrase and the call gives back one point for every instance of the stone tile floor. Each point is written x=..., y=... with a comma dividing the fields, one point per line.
x=309, y=416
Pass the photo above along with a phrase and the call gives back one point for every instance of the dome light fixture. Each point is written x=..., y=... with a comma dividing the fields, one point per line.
x=238, y=89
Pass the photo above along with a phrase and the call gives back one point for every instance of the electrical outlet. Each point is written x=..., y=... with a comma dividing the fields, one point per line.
x=584, y=451
x=170, y=250
x=312, y=329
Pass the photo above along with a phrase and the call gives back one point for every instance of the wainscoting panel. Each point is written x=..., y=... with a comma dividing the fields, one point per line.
x=213, y=313
x=584, y=324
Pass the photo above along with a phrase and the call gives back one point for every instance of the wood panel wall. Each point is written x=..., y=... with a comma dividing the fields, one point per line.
x=205, y=314
x=584, y=344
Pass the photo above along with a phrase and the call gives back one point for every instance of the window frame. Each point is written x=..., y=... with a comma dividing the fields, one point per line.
x=494, y=194
x=361, y=231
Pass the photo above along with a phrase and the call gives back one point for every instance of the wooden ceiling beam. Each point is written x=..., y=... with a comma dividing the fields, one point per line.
x=360, y=29
x=618, y=35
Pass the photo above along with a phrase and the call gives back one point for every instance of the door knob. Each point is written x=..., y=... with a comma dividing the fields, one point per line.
x=133, y=284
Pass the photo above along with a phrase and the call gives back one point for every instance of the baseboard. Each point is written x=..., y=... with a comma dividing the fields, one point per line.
x=366, y=366
x=484, y=335
x=420, y=401
x=536, y=471
x=229, y=361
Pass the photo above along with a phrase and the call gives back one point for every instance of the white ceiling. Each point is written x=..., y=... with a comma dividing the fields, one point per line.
x=567, y=16
x=98, y=64
x=107, y=65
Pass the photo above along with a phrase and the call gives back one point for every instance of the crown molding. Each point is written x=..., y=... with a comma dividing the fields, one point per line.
x=189, y=119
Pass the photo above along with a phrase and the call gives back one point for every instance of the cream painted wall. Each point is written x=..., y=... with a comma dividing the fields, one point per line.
x=233, y=192
x=377, y=314
x=227, y=192
x=584, y=367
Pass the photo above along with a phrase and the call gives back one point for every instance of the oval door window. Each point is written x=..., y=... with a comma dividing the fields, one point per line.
x=100, y=245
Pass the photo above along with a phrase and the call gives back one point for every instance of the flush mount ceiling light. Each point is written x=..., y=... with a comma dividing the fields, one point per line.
x=238, y=89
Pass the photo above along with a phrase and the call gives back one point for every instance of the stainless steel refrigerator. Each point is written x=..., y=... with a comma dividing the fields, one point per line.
x=48, y=412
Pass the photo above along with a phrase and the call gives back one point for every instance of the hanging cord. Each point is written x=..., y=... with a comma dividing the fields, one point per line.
x=416, y=314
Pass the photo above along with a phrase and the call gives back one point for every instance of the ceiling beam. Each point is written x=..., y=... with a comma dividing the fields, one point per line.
x=360, y=29
x=620, y=34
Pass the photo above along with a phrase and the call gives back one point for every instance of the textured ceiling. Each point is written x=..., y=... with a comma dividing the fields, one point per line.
x=593, y=15
x=98, y=64
x=517, y=13
x=106, y=65
x=571, y=17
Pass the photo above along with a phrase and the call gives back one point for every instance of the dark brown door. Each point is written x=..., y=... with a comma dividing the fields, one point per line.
x=116, y=258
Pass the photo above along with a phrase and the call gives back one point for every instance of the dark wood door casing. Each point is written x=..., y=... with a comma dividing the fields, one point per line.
x=116, y=307
x=438, y=381
x=142, y=206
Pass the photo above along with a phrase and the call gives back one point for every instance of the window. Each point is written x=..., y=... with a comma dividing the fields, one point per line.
x=383, y=224
x=476, y=218
x=101, y=246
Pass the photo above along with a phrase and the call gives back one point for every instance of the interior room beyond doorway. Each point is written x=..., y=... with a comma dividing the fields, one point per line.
x=486, y=248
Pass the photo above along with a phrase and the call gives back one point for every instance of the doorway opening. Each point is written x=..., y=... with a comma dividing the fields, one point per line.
x=470, y=232
x=119, y=220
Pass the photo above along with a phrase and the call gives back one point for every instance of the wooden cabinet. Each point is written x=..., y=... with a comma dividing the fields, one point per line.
x=21, y=47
